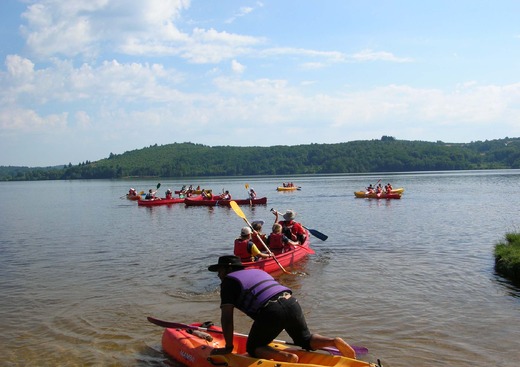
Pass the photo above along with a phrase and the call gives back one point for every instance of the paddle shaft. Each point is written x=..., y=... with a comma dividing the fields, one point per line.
x=248, y=194
x=175, y=325
x=241, y=214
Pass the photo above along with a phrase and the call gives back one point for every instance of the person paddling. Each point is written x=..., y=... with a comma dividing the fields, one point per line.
x=292, y=229
x=245, y=248
x=273, y=308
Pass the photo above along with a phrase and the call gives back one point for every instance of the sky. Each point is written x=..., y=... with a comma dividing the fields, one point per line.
x=81, y=79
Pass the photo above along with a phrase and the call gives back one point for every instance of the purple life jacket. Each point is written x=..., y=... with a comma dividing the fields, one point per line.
x=257, y=287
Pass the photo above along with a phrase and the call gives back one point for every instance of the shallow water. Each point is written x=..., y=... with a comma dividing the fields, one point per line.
x=411, y=279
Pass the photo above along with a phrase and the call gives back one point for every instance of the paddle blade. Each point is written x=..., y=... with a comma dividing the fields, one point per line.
x=317, y=234
x=158, y=185
x=237, y=209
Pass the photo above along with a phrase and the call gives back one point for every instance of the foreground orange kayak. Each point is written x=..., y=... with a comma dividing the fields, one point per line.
x=192, y=344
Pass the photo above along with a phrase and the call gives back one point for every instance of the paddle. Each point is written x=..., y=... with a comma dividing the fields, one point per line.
x=248, y=194
x=314, y=232
x=241, y=214
x=175, y=325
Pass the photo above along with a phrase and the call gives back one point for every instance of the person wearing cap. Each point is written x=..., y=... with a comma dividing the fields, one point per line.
x=292, y=229
x=245, y=248
x=273, y=309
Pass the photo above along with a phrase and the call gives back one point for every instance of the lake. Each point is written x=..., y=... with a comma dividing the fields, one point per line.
x=412, y=279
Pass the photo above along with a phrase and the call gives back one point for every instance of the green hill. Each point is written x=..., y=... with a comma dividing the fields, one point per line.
x=195, y=160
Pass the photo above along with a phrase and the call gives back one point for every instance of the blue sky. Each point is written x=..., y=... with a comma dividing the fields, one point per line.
x=82, y=79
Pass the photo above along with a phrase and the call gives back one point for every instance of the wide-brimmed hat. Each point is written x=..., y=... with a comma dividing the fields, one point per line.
x=289, y=215
x=228, y=260
x=246, y=231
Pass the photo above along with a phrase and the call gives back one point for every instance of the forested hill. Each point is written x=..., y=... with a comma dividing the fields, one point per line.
x=195, y=160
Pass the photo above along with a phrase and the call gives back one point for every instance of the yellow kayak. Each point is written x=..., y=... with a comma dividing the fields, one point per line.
x=289, y=188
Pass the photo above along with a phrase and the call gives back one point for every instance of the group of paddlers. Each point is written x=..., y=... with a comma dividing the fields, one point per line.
x=285, y=234
x=379, y=189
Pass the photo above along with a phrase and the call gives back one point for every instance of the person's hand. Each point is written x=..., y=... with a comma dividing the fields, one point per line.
x=221, y=351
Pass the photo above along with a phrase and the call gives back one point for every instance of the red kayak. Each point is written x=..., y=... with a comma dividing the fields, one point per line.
x=215, y=200
x=286, y=259
x=159, y=201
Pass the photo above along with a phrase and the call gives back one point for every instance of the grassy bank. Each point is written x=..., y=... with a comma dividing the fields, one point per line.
x=507, y=257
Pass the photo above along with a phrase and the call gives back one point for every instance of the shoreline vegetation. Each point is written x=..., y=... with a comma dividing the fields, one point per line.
x=180, y=160
x=507, y=257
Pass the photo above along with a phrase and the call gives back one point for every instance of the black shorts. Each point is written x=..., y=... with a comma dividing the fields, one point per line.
x=278, y=315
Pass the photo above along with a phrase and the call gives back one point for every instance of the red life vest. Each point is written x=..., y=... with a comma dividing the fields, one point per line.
x=243, y=249
x=258, y=239
x=276, y=241
x=293, y=230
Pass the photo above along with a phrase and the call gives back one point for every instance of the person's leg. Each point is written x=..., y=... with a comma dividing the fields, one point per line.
x=298, y=330
x=318, y=342
x=267, y=352
x=267, y=326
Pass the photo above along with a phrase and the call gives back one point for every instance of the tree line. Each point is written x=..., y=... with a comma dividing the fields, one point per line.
x=196, y=160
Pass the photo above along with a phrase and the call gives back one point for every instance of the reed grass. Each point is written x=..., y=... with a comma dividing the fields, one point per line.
x=507, y=257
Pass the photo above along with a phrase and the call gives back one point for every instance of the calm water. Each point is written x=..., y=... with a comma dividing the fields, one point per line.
x=411, y=279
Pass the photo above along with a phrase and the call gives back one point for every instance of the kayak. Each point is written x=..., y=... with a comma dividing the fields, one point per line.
x=159, y=201
x=364, y=194
x=399, y=190
x=192, y=344
x=217, y=201
x=290, y=188
x=286, y=259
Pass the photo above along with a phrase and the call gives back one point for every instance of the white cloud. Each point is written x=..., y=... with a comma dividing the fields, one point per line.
x=72, y=28
x=237, y=67
x=30, y=121
x=370, y=55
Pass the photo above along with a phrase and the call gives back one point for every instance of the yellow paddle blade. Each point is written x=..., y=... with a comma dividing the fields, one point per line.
x=237, y=209
x=247, y=186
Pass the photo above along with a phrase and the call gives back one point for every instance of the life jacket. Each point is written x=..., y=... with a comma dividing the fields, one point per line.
x=293, y=230
x=276, y=241
x=257, y=287
x=258, y=239
x=243, y=249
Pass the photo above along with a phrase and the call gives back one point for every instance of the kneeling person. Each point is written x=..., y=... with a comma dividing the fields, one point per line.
x=273, y=309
